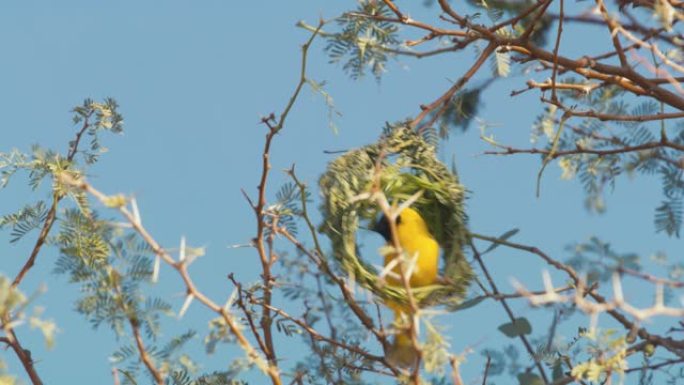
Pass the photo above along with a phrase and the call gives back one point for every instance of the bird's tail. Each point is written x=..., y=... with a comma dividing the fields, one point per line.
x=402, y=352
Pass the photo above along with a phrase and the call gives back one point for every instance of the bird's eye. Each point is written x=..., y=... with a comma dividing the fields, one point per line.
x=399, y=220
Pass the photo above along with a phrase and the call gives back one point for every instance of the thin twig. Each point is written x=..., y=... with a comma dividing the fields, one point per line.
x=248, y=314
x=613, y=27
x=52, y=213
x=486, y=371
x=656, y=366
x=533, y=23
x=509, y=312
x=144, y=355
x=23, y=355
x=650, y=277
x=268, y=258
x=506, y=150
x=317, y=256
x=320, y=337
x=555, y=53
x=19, y=350
x=181, y=268
x=674, y=346
x=444, y=100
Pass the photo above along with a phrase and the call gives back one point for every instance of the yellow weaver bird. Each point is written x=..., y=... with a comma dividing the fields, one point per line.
x=417, y=242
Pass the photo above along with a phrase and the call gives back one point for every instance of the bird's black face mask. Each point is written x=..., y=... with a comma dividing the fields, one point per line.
x=382, y=227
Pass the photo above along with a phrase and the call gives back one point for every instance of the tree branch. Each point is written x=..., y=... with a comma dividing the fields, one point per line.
x=443, y=100
x=509, y=312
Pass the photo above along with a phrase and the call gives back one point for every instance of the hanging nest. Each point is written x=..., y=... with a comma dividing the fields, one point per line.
x=408, y=164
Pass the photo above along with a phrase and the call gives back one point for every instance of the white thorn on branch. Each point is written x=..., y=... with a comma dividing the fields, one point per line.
x=186, y=305
x=155, y=269
x=136, y=212
x=181, y=252
x=617, y=289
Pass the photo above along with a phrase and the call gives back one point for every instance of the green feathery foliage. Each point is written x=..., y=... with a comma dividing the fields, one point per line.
x=15, y=311
x=286, y=207
x=599, y=261
x=113, y=269
x=496, y=10
x=28, y=218
x=216, y=378
x=328, y=312
x=91, y=119
x=460, y=111
x=363, y=43
x=111, y=265
x=597, y=172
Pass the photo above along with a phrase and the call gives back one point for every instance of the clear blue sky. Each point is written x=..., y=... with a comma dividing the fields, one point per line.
x=193, y=80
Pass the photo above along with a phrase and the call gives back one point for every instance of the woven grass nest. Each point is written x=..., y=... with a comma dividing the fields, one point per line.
x=408, y=164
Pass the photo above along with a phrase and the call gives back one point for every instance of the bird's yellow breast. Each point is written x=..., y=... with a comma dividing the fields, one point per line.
x=416, y=241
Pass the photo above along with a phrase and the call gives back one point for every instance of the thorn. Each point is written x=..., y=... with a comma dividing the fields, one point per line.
x=412, y=264
x=387, y=270
x=659, y=296
x=136, y=212
x=410, y=201
x=548, y=284
x=351, y=282
x=155, y=269
x=617, y=289
x=186, y=305
x=181, y=253
x=230, y=301
x=240, y=245
x=593, y=324
x=360, y=197
x=291, y=170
